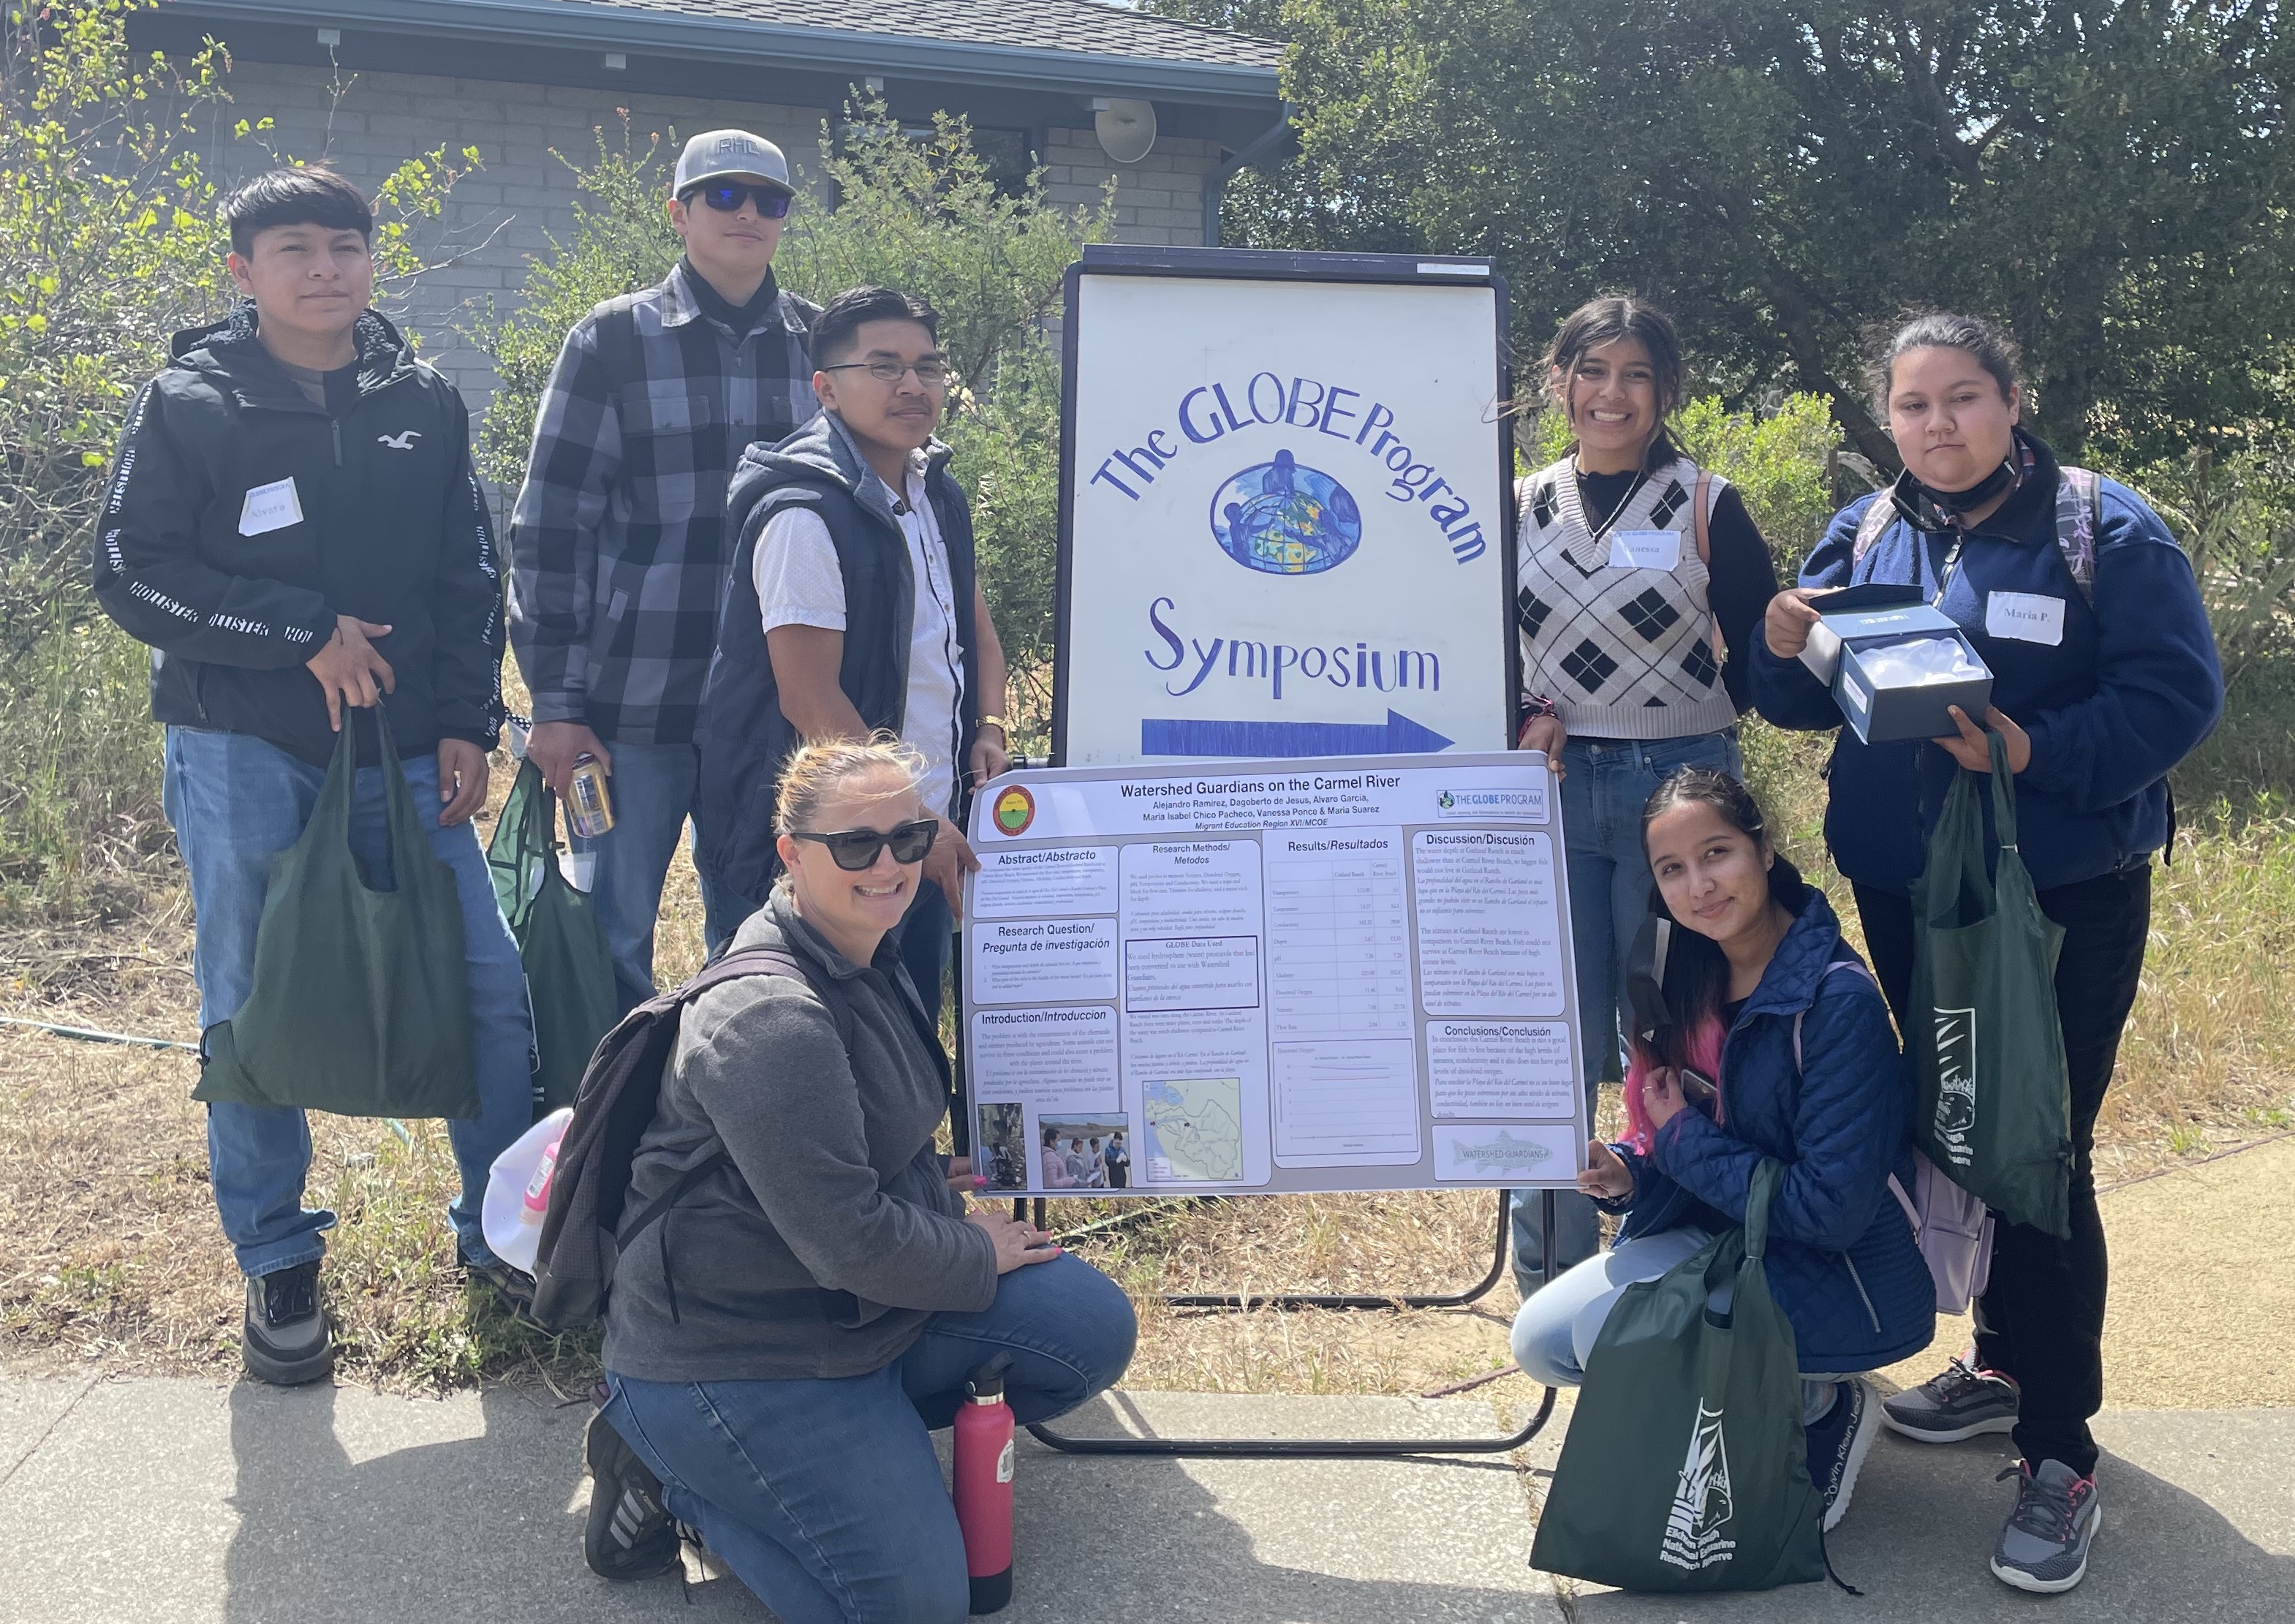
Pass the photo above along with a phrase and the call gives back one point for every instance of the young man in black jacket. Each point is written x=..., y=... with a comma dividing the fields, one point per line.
x=852, y=605
x=296, y=528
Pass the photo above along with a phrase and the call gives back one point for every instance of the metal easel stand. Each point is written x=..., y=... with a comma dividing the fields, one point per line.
x=1347, y=1448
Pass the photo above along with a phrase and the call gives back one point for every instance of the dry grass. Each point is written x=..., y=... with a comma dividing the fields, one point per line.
x=1410, y=1242
x=110, y=1256
x=113, y=1257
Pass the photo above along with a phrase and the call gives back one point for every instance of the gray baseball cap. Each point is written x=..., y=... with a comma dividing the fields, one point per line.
x=720, y=152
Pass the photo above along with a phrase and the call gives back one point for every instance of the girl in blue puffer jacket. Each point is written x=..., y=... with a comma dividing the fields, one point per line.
x=1781, y=1017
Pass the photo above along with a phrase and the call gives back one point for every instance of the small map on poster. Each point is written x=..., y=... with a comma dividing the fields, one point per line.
x=1195, y=1129
x=1270, y=976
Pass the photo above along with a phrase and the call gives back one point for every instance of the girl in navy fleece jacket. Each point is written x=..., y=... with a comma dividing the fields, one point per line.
x=2099, y=688
x=1778, y=1013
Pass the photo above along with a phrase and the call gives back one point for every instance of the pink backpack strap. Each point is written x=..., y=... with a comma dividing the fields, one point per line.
x=1879, y=514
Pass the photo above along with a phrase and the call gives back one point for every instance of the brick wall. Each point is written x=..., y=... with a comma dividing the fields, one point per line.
x=523, y=196
x=1159, y=201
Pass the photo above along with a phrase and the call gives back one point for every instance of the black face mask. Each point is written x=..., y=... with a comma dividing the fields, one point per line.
x=1935, y=511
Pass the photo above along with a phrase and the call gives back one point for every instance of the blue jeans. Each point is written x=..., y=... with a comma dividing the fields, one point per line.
x=1554, y=1332
x=1606, y=785
x=236, y=803
x=824, y=1495
x=653, y=788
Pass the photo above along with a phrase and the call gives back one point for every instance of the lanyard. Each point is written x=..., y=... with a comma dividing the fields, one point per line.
x=1951, y=563
x=1598, y=531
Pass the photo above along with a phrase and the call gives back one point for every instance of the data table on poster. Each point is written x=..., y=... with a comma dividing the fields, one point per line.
x=1266, y=976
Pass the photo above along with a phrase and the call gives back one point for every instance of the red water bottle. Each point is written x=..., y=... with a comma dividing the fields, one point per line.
x=984, y=1485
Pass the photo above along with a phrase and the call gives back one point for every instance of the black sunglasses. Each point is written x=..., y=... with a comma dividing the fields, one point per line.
x=726, y=197
x=856, y=848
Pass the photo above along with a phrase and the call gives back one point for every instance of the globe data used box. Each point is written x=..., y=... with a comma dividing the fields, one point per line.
x=1896, y=664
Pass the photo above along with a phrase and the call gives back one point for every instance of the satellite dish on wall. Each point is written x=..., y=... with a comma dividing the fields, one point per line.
x=1126, y=128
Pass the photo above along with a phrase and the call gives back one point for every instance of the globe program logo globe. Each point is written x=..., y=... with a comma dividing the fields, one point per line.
x=1284, y=519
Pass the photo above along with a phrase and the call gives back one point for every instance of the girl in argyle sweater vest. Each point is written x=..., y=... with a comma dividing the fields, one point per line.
x=1641, y=583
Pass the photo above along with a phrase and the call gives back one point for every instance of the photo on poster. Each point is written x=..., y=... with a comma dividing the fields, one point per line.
x=1000, y=1147
x=1075, y=1152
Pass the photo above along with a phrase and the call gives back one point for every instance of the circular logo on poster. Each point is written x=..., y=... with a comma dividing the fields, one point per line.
x=1284, y=519
x=1013, y=812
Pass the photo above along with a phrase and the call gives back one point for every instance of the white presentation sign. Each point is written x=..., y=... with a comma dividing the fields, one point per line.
x=1284, y=509
x=1270, y=976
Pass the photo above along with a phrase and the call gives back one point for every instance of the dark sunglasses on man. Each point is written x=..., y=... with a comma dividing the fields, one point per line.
x=726, y=197
x=856, y=849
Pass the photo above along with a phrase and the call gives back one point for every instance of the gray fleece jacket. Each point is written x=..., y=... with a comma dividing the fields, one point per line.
x=823, y=1246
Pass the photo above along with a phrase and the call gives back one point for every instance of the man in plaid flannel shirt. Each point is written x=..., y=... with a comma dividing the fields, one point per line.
x=617, y=543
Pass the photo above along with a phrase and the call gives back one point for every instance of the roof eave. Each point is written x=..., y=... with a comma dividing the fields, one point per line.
x=625, y=28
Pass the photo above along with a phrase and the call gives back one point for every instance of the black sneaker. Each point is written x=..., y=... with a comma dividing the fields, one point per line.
x=1838, y=1445
x=285, y=1339
x=2044, y=1546
x=629, y=1534
x=1964, y=1402
x=513, y=1288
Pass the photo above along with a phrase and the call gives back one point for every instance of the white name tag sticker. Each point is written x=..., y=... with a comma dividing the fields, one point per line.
x=1644, y=549
x=270, y=507
x=2026, y=616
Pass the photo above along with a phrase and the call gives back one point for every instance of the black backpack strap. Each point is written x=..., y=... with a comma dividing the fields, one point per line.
x=733, y=966
x=655, y=1210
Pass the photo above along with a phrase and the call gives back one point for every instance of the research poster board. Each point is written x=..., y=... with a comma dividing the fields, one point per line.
x=1284, y=519
x=1272, y=976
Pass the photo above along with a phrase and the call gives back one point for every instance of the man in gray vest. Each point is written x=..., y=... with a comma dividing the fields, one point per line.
x=617, y=543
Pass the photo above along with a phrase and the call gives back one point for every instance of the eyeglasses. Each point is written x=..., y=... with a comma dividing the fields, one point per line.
x=856, y=848
x=933, y=374
x=726, y=197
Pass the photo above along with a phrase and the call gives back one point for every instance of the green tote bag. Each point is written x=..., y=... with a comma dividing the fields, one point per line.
x=362, y=1004
x=1994, y=1104
x=1686, y=1468
x=569, y=975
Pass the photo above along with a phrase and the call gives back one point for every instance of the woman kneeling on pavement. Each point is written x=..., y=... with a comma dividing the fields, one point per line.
x=1777, y=1012
x=776, y=1364
x=2104, y=677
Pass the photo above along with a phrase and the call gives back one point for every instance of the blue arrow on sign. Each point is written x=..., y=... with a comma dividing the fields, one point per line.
x=1398, y=735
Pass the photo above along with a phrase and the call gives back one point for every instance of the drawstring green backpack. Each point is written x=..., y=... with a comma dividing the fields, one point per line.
x=1686, y=1467
x=569, y=975
x=362, y=1003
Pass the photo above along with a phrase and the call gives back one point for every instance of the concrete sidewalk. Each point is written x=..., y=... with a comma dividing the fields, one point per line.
x=162, y=1501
